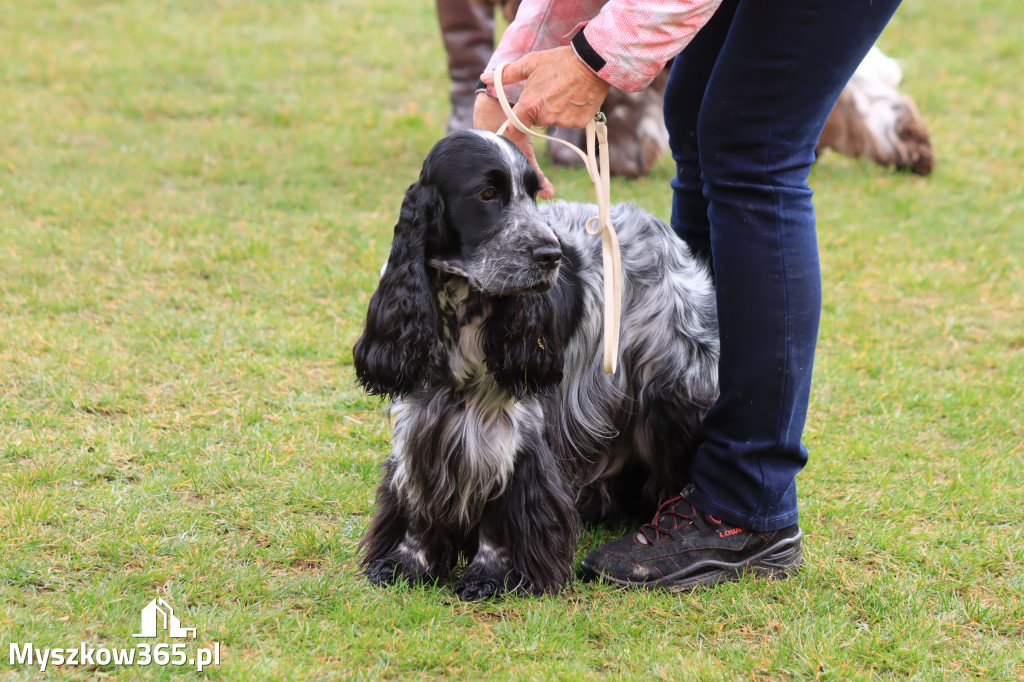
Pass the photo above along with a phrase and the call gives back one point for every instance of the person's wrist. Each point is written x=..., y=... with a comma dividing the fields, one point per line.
x=588, y=58
x=487, y=113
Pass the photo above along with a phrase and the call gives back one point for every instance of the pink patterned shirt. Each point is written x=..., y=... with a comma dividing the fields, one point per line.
x=625, y=42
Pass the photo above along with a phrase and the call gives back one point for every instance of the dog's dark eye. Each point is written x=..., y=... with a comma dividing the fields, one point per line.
x=488, y=194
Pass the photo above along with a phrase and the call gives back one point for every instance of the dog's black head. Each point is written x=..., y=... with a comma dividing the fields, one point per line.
x=472, y=214
x=491, y=231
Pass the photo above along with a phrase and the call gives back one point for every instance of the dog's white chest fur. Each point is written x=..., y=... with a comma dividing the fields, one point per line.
x=476, y=427
x=477, y=434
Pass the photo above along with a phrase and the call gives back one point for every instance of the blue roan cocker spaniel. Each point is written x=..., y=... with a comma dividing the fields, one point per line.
x=486, y=334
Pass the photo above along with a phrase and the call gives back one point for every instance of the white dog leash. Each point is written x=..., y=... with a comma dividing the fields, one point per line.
x=597, y=131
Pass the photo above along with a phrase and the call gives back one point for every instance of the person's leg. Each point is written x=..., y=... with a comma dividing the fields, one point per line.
x=684, y=94
x=776, y=77
x=467, y=27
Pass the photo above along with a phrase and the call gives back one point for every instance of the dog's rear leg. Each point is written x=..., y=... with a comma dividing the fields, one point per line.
x=394, y=550
x=528, y=534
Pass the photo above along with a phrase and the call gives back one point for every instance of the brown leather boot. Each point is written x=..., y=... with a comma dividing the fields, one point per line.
x=467, y=27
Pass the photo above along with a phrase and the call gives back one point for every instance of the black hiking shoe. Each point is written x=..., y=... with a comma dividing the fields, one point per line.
x=683, y=548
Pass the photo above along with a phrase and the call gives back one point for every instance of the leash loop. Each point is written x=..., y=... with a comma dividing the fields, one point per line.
x=601, y=224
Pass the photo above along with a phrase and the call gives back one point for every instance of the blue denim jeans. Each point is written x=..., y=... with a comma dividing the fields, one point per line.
x=744, y=106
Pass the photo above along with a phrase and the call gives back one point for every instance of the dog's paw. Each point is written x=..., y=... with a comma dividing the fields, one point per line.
x=389, y=571
x=475, y=589
x=474, y=586
x=383, y=572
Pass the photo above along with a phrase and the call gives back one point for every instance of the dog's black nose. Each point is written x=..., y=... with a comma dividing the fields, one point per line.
x=547, y=256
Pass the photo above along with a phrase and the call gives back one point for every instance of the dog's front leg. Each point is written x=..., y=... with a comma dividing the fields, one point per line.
x=394, y=547
x=412, y=560
x=489, y=574
x=528, y=534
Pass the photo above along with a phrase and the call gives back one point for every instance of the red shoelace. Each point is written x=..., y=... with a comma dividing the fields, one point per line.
x=667, y=512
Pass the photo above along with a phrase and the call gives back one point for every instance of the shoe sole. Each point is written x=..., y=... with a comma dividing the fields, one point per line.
x=777, y=561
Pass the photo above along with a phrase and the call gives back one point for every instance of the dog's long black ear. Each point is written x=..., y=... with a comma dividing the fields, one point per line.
x=399, y=347
x=524, y=343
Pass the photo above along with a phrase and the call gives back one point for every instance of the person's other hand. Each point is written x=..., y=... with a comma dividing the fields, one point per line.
x=559, y=90
x=488, y=115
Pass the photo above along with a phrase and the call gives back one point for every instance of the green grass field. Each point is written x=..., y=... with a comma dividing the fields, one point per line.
x=195, y=198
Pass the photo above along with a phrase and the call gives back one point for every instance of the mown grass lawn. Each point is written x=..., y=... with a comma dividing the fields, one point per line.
x=195, y=197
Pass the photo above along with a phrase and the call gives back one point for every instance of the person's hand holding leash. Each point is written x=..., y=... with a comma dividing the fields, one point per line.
x=559, y=90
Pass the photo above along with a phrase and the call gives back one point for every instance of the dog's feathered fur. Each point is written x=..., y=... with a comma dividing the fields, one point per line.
x=486, y=334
